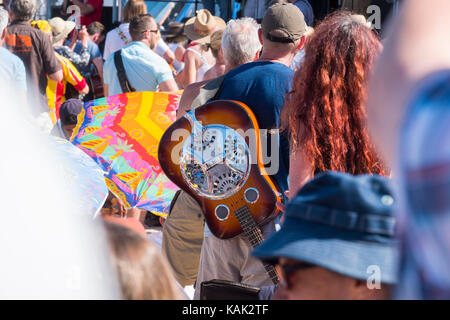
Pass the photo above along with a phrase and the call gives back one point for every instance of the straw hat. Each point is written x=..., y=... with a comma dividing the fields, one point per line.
x=60, y=28
x=200, y=27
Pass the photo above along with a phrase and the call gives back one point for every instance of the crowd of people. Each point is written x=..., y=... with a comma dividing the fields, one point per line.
x=359, y=124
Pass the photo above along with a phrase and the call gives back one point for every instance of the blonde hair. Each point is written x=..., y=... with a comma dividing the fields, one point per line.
x=216, y=42
x=133, y=8
x=144, y=274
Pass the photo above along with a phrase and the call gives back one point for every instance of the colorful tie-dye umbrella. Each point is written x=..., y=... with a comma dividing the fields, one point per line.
x=121, y=133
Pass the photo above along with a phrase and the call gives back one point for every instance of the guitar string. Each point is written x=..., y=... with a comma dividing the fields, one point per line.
x=254, y=233
x=269, y=268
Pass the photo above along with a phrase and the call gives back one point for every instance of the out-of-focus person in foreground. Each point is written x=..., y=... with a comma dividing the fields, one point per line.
x=409, y=119
x=144, y=274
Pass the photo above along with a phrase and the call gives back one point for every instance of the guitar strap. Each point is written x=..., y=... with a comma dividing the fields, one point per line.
x=123, y=80
x=208, y=92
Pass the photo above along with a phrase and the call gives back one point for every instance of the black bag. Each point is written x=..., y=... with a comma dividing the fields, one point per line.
x=227, y=290
x=123, y=80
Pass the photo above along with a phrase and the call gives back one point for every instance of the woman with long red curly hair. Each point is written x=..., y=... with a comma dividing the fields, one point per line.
x=324, y=113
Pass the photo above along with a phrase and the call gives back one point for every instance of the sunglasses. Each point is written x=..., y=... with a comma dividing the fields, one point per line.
x=288, y=271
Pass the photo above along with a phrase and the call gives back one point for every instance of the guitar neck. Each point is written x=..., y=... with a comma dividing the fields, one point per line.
x=254, y=235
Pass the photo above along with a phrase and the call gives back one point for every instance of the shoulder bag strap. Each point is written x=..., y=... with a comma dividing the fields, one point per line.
x=123, y=80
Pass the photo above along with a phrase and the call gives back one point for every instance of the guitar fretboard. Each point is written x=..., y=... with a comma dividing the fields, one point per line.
x=254, y=235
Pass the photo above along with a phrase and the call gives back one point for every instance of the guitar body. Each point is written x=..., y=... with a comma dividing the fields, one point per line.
x=214, y=154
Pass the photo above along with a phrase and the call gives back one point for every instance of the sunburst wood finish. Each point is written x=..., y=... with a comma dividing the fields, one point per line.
x=239, y=117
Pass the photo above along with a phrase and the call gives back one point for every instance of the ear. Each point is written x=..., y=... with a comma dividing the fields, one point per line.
x=94, y=38
x=301, y=43
x=3, y=34
x=260, y=37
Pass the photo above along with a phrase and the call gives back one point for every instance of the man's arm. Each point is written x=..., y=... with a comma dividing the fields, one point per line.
x=85, y=90
x=169, y=56
x=189, y=73
x=188, y=96
x=168, y=86
x=98, y=62
x=412, y=51
x=105, y=89
x=57, y=76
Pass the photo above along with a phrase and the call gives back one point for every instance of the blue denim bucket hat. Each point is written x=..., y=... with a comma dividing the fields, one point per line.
x=340, y=222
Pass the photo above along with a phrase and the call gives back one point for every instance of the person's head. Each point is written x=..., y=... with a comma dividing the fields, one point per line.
x=144, y=274
x=337, y=241
x=68, y=115
x=216, y=44
x=96, y=32
x=133, y=8
x=22, y=10
x=60, y=29
x=324, y=112
x=3, y=24
x=144, y=28
x=240, y=43
x=201, y=27
x=283, y=29
x=175, y=33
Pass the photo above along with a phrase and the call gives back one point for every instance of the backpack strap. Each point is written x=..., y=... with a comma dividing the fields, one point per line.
x=123, y=80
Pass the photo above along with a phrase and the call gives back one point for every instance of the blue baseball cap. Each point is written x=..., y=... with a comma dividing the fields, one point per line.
x=69, y=111
x=342, y=223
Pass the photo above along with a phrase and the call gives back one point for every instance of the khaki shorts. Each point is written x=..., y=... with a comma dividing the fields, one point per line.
x=231, y=259
x=182, y=238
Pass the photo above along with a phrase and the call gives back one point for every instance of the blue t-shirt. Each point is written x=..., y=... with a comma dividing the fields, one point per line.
x=307, y=10
x=93, y=49
x=12, y=70
x=94, y=52
x=262, y=86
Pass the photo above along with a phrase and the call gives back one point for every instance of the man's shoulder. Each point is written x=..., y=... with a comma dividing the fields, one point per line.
x=94, y=50
x=65, y=61
x=143, y=56
x=6, y=54
x=253, y=70
x=27, y=29
x=109, y=62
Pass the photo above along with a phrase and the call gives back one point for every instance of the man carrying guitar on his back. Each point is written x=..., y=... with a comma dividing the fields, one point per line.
x=262, y=86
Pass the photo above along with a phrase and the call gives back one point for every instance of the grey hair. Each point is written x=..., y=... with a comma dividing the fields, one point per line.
x=3, y=20
x=240, y=41
x=23, y=10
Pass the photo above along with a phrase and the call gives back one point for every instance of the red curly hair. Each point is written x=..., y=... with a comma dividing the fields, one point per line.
x=325, y=113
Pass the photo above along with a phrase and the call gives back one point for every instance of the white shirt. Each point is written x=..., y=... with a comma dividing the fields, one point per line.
x=114, y=42
x=178, y=65
x=298, y=60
